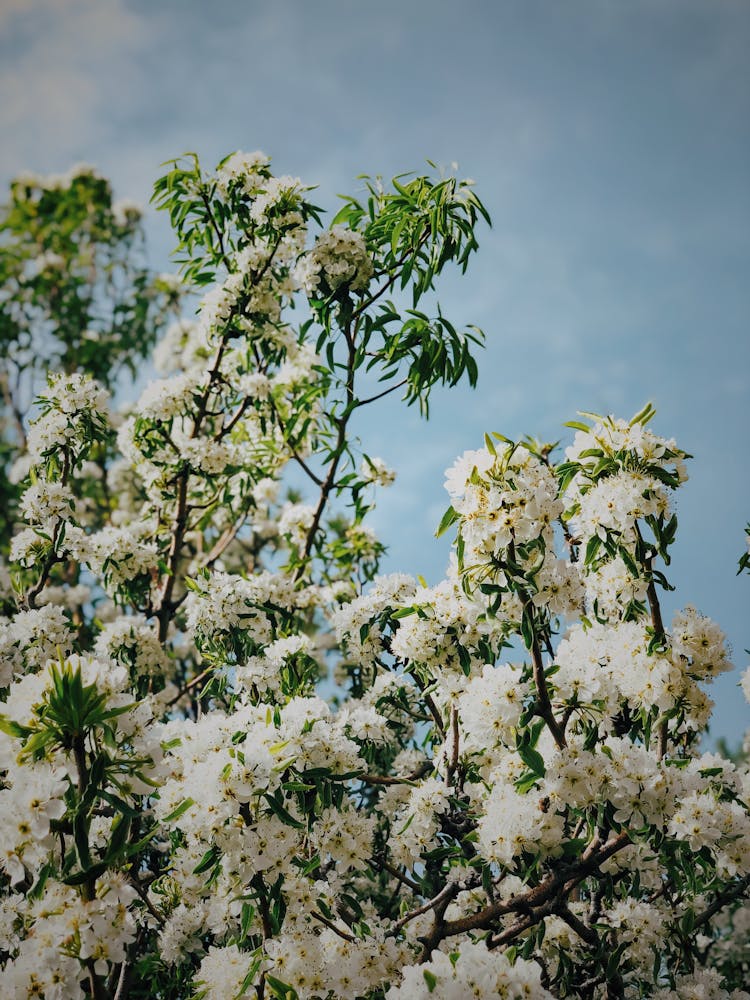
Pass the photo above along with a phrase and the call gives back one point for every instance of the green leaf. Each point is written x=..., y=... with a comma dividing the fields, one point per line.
x=78, y=878
x=281, y=990
x=118, y=840
x=464, y=658
x=643, y=416
x=81, y=838
x=592, y=547
x=630, y=563
x=285, y=816
x=449, y=517
x=527, y=627
x=179, y=811
x=14, y=729
x=208, y=860
x=533, y=760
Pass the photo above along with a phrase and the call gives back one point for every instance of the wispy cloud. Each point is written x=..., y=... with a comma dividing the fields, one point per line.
x=64, y=66
x=608, y=140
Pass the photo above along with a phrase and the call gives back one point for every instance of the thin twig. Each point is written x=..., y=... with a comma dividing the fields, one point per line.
x=380, y=862
x=190, y=685
x=447, y=892
x=385, y=392
x=330, y=924
x=722, y=898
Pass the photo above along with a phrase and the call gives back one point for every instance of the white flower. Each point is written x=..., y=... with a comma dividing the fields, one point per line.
x=476, y=972
x=45, y=502
x=126, y=212
x=374, y=470
x=244, y=169
x=339, y=257
x=164, y=399
x=295, y=521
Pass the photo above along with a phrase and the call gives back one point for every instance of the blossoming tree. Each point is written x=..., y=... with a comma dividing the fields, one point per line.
x=75, y=295
x=504, y=794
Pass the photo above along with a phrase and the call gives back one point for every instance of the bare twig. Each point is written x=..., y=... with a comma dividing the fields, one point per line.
x=380, y=862
x=379, y=395
x=336, y=930
x=190, y=685
x=729, y=895
x=446, y=893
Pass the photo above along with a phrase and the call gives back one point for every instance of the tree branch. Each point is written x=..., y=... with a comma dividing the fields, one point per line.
x=564, y=880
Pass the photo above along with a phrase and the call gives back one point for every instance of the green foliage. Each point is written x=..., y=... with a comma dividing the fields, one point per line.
x=744, y=561
x=193, y=786
x=76, y=295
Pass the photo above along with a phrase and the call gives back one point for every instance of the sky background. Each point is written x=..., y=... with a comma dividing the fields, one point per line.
x=609, y=140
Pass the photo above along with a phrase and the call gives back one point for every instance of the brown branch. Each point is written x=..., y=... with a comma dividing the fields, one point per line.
x=179, y=528
x=380, y=862
x=166, y=606
x=386, y=779
x=175, y=549
x=366, y=303
x=544, y=706
x=556, y=885
x=430, y=702
x=379, y=395
x=737, y=891
x=351, y=404
x=190, y=685
x=240, y=411
x=512, y=932
x=123, y=981
x=654, y=607
x=98, y=989
x=436, y=935
x=295, y=454
x=572, y=543
x=214, y=226
x=225, y=539
x=143, y=894
x=659, y=634
x=587, y=934
x=264, y=914
x=336, y=930
x=446, y=893
x=336, y=455
x=52, y=557
x=453, y=762
x=51, y=560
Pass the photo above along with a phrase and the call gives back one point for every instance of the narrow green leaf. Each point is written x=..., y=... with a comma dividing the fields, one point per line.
x=430, y=979
x=449, y=517
x=181, y=809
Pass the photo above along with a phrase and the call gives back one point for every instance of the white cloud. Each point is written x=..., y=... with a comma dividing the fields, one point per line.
x=66, y=60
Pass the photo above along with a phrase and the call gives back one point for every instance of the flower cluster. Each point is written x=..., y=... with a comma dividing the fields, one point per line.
x=338, y=259
x=475, y=972
x=237, y=761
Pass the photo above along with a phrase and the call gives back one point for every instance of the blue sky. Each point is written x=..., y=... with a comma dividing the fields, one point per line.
x=609, y=140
